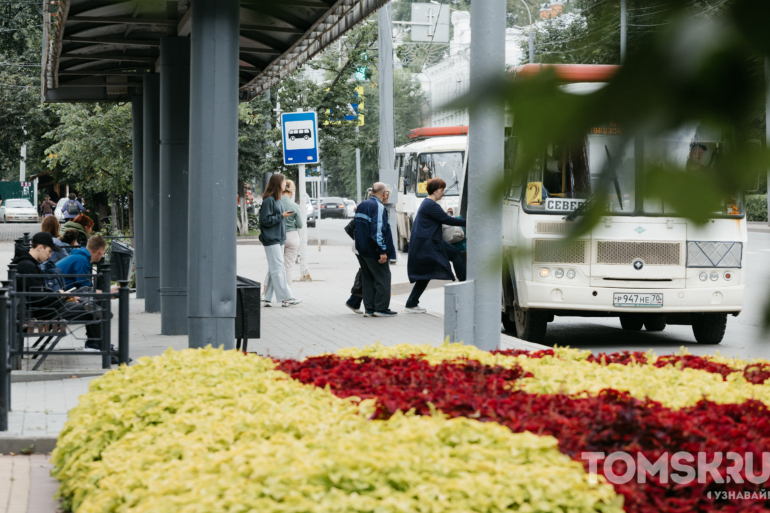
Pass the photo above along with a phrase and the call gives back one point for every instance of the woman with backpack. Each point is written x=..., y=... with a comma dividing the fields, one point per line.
x=72, y=208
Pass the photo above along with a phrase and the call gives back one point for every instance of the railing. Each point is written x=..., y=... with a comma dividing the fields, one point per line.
x=18, y=325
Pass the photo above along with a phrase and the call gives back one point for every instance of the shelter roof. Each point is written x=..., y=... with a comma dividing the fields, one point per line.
x=98, y=50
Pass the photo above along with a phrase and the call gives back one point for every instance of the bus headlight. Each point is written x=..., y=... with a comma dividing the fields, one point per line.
x=570, y=274
x=703, y=276
x=714, y=276
x=728, y=275
x=544, y=273
x=559, y=273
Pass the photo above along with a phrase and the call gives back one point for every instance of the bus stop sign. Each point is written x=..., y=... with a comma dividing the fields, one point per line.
x=300, y=138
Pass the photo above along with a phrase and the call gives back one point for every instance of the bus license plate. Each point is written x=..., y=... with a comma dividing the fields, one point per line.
x=648, y=300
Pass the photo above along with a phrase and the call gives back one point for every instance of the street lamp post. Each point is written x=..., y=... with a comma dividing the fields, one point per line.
x=531, y=36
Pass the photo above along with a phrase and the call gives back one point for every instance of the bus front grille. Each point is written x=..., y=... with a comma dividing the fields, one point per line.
x=553, y=228
x=557, y=251
x=651, y=253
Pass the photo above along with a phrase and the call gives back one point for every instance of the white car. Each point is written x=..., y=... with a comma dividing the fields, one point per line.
x=350, y=208
x=58, y=212
x=309, y=212
x=18, y=211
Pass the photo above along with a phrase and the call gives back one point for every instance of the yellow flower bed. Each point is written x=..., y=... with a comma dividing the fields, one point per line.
x=570, y=373
x=208, y=430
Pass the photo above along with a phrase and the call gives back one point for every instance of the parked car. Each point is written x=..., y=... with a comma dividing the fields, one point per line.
x=350, y=208
x=18, y=211
x=58, y=212
x=310, y=214
x=332, y=207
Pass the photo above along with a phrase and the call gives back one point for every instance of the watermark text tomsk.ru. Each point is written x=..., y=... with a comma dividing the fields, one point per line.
x=681, y=467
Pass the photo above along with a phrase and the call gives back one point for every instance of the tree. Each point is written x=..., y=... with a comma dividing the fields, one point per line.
x=22, y=117
x=92, y=148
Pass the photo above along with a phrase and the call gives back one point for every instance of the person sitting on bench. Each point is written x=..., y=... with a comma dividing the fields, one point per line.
x=81, y=260
x=54, y=307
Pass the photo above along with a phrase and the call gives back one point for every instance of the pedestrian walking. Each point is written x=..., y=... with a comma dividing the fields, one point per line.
x=357, y=291
x=48, y=207
x=429, y=253
x=72, y=208
x=374, y=243
x=272, y=234
x=293, y=225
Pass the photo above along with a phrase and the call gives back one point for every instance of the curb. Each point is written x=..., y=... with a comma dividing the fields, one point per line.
x=759, y=227
x=517, y=343
x=31, y=376
x=39, y=444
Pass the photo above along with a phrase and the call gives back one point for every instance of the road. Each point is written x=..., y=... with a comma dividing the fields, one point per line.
x=332, y=230
x=744, y=338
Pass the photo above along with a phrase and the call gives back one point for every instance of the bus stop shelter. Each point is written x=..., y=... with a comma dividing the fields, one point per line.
x=185, y=65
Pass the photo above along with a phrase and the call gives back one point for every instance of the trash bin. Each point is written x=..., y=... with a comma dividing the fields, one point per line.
x=121, y=258
x=247, y=311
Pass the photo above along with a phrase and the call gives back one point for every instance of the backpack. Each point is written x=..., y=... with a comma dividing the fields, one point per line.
x=72, y=208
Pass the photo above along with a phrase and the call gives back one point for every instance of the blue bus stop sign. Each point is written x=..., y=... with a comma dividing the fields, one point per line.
x=300, y=138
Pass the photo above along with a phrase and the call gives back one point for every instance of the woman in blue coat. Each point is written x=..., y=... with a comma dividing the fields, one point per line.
x=429, y=253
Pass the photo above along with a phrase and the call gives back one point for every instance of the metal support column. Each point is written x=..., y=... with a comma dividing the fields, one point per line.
x=767, y=128
x=213, y=172
x=388, y=173
x=623, y=30
x=485, y=170
x=358, y=173
x=174, y=182
x=151, y=210
x=137, y=120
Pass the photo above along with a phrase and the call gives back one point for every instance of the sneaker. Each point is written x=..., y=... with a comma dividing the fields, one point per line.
x=355, y=310
x=386, y=313
x=291, y=302
x=268, y=304
x=369, y=313
x=415, y=309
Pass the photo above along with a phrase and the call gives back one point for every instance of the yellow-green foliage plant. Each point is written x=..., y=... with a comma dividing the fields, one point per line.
x=209, y=431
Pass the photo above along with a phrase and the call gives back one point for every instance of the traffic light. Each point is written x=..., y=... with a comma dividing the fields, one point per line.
x=362, y=72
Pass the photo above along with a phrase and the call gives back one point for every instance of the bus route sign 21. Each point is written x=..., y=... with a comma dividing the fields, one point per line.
x=300, y=138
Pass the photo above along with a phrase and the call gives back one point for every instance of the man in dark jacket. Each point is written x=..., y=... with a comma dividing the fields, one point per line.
x=52, y=307
x=374, y=243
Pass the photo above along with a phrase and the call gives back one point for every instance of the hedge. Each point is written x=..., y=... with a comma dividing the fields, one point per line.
x=756, y=207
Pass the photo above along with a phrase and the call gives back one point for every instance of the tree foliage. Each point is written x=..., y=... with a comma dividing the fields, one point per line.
x=91, y=147
x=22, y=117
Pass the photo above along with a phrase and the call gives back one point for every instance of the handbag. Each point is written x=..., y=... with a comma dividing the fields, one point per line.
x=452, y=234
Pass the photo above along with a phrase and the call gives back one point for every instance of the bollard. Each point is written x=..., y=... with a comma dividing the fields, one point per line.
x=27, y=241
x=5, y=370
x=12, y=271
x=458, y=312
x=123, y=293
x=103, y=283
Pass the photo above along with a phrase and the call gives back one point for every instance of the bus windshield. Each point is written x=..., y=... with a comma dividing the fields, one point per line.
x=448, y=166
x=569, y=174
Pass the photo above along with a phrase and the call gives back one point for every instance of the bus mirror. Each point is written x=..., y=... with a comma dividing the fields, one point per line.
x=752, y=146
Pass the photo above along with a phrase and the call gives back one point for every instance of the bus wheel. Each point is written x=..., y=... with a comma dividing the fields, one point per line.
x=709, y=328
x=531, y=325
x=632, y=322
x=655, y=322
